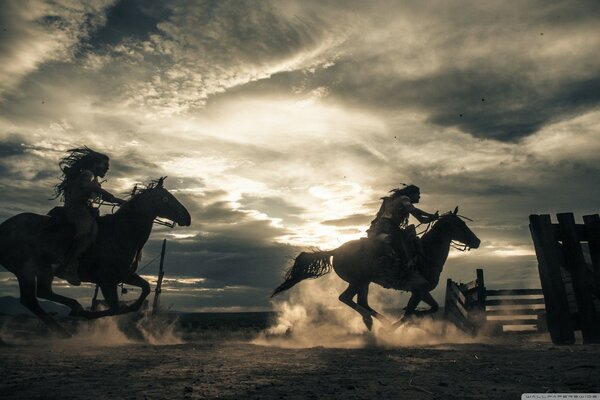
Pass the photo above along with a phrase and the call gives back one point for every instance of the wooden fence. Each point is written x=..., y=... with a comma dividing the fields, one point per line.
x=569, y=265
x=473, y=308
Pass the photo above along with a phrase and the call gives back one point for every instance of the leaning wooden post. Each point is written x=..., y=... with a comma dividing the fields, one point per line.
x=161, y=273
x=575, y=264
x=592, y=230
x=555, y=296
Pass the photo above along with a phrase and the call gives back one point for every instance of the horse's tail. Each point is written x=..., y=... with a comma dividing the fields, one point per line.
x=306, y=266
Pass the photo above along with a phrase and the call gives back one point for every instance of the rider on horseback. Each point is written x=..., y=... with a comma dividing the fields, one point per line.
x=79, y=188
x=390, y=231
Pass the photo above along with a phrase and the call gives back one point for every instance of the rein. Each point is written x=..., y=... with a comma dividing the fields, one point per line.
x=156, y=221
x=454, y=244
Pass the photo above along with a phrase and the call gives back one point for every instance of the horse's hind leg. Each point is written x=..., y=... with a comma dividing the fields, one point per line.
x=27, y=288
x=428, y=298
x=44, y=290
x=347, y=297
x=362, y=300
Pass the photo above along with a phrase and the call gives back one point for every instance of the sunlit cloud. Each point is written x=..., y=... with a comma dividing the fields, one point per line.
x=280, y=125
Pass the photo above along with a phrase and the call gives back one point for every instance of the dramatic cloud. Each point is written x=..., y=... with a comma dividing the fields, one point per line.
x=281, y=124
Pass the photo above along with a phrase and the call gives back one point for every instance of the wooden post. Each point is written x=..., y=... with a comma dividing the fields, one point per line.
x=555, y=296
x=575, y=264
x=161, y=273
x=592, y=230
x=479, y=314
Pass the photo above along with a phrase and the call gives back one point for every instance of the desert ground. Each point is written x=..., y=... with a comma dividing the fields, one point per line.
x=244, y=356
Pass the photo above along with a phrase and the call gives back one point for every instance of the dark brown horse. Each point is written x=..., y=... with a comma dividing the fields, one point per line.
x=356, y=262
x=32, y=246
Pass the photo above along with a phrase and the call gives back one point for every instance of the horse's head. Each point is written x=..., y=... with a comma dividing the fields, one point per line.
x=458, y=229
x=161, y=203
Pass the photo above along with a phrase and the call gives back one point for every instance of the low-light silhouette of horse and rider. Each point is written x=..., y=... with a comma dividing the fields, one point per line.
x=392, y=256
x=74, y=243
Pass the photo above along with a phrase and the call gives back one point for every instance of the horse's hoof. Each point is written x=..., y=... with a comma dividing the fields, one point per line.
x=368, y=322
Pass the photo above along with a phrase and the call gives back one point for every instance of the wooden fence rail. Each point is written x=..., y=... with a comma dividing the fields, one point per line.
x=473, y=308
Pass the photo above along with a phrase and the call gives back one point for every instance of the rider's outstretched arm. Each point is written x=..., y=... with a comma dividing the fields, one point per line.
x=93, y=187
x=420, y=215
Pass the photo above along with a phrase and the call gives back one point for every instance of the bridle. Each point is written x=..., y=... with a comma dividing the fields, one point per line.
x=454, y=244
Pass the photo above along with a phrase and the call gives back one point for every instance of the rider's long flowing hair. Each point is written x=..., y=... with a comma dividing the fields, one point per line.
x=407, y=190
x=76, y=160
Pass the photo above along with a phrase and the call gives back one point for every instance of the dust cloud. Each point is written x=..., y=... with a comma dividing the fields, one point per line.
x=312, y=316
x=108, y=331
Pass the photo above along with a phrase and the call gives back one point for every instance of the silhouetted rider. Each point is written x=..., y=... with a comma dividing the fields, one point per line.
x=390, y=230
x=81, y=168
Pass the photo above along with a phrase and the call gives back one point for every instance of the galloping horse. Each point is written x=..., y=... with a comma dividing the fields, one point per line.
x=356, y=262
x=32, y=245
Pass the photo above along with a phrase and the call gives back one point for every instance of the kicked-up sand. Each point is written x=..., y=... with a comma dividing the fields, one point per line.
x=261, y=358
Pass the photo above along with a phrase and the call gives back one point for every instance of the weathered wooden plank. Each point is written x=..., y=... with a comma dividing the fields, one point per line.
x=592, y=227
x=454, y=310
x=549, y=268
x=579, y=229
x=575, y=262
x=514, y=292
x=471, y=285
x=463, y=324
x=516, y=311
x=458, y=306
x=457, y=294
x=514, y=321
x=518, y=302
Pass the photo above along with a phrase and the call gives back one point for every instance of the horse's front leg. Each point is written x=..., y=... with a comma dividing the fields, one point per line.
x=109, y=292
x=409, y=311
x=136, y=280
x=428, y=299
x=418, y=286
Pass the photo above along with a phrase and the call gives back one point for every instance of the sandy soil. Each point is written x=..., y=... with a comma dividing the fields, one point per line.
x=221, y=365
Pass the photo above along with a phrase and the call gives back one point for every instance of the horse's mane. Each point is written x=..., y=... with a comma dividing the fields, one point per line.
x=140, y=188
x=137, y=190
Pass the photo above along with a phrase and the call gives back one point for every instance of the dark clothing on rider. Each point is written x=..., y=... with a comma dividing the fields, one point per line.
x=390, y=231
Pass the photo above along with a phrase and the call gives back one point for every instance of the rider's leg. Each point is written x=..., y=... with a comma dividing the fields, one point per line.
x=85, y=232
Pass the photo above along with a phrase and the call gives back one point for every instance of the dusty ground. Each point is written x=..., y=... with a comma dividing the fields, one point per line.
x=217, y=364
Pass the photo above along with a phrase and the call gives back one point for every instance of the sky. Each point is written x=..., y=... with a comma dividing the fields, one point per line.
x=280, y=124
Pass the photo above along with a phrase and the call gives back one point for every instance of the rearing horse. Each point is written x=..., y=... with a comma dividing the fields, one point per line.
x=31, y=245
x=356, y=263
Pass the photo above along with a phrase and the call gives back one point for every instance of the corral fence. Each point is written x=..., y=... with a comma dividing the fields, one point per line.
x=476, y=309
x=569, y=265
x=568, y=257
